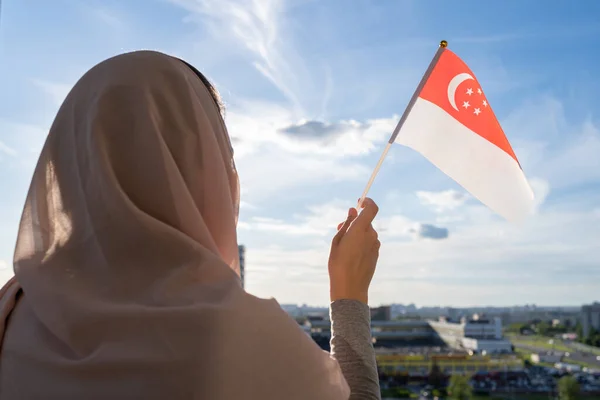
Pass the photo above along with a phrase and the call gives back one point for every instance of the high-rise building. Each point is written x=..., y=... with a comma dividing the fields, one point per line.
x=590, y=318
x=242, y=251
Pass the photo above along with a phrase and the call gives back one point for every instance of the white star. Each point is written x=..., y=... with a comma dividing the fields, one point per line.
x=477, y=111
x=479, y=90
x=469, y=91
x=466, y=104
x=485, y=103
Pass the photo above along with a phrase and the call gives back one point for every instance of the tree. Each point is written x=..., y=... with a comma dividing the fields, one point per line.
x=543, y=328
x=436, y=376
x=579, y=332
x=568, y=388
x=516, y=327
x=593, y=338
x=459, y=388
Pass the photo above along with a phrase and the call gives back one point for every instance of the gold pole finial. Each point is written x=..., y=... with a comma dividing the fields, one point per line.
x=443, y=44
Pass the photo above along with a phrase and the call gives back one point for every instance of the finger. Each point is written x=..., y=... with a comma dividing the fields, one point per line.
x=351, y=211
x=375, y=249
x=367, y=214
x=372, y=233
x=373, y=254
x=377, y=245
x=344, y=226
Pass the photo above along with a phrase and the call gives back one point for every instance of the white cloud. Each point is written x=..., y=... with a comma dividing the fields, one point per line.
x=340, y=139
x=444, y=200
x=320, y=220
x=255, y=124
x=3, y=264
x=429, y=231
x=247, y=206
x=272, y=172
x=394, y=226
x=552, y=247
x=541, y=190
x=5, y=275
x=289, y=274
x=270, y=162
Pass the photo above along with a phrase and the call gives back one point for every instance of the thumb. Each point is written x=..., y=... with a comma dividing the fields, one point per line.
x=352, y=213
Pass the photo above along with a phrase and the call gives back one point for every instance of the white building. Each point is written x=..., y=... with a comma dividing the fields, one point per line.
x=478, y=335
x=477, y=328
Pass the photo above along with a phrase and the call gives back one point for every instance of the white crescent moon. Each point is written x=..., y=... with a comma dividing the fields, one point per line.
x=453, y=85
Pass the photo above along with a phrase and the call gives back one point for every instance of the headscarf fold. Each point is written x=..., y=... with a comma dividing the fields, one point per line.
x=126, y=266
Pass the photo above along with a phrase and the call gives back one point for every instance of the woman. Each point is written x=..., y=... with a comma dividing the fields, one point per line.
x=126, y=267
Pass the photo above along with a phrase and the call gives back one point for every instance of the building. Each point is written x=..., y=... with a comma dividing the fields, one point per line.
x=420, y=364
x=590, y=318
x=474, y=336
x=477, y=335
x=404, y=333
x=383, y=313
x=242, y=251
x=306, y=311
x=411, y=348
x=388, y=334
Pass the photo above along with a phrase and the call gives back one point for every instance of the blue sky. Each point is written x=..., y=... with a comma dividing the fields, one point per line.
x=346, y=70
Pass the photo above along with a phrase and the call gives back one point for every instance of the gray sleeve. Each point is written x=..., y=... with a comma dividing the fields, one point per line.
x=352, y=347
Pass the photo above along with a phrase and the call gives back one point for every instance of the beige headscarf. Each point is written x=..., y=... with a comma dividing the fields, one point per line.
x=127, y=278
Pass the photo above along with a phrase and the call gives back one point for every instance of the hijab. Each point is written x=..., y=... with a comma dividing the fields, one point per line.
x=126, y=266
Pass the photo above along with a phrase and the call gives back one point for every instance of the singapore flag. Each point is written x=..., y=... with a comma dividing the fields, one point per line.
x=452, y=124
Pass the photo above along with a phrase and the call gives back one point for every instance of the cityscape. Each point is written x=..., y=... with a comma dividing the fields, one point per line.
x=512, y=351
x=523, y=350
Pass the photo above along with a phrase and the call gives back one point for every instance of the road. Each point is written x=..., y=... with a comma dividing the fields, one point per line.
x=574, y=355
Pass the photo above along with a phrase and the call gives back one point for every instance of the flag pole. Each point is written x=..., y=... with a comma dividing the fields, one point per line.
x=411, y=103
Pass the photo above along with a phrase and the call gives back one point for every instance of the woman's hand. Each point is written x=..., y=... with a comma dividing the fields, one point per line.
x=354, y=254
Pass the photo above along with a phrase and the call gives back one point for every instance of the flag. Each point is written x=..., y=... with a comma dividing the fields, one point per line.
x=451, y=123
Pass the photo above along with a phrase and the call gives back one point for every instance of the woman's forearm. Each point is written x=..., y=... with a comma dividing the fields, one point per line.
x=351, y=346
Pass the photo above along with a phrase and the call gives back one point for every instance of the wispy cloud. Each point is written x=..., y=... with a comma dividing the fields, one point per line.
x=489, y=39
x=22, y=140
x=553, y=148
x=556, y=33
x=260, y=28
x=109, y=17
x=57, y=92
x=7, y=150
